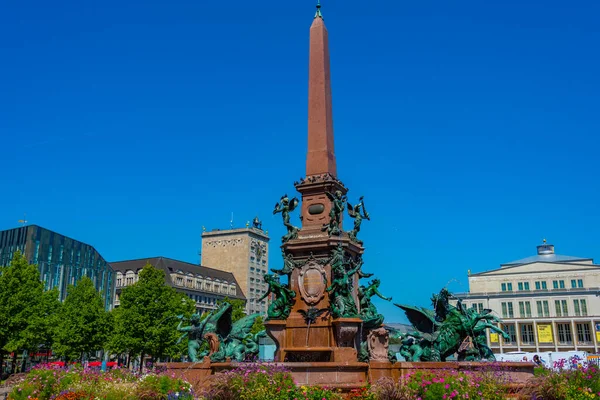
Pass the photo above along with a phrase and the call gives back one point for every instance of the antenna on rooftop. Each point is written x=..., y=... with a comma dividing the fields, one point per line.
x=24, y=220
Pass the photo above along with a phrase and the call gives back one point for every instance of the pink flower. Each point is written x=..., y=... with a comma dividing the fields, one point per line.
x=447, y=386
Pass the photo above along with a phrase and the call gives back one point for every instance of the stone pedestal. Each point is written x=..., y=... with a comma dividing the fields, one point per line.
x=276, y=331
x=350, y=375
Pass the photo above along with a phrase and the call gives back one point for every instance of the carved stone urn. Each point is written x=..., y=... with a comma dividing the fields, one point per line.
x=345, y=331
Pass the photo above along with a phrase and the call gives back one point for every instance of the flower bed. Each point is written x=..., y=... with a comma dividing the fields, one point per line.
x=75, y=383
x=256, y=381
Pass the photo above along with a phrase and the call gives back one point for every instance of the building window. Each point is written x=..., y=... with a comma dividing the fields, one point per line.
x=573, y=283
x=527, y=334
x=507, y=310
x=564, y=333
x=538, y=285
x=36, y=252
x=524, y=309
x=477, y=307
x=509, y=286
x=541, y=285
x=579, y=283
x=544, y=286
x=555, y=284
x=557, y=306
x=543, y=309
x=510, y=330
x=561, y=283
x=521, y=309
x=580, y=307
x=504, y=287
x=524, y=285
x=565, y=310
x=583, y=333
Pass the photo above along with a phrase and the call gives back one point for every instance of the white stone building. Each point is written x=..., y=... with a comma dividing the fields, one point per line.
x=548, y=302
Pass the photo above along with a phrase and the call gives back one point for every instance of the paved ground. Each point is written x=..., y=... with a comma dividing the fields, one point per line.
x=4, y=391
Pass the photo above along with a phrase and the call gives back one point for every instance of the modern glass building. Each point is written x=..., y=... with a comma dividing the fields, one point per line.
x=62, y=261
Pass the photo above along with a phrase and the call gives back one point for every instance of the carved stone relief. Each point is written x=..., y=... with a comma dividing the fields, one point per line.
x=312, y=282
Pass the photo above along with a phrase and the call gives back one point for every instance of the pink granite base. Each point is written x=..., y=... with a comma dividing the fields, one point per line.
x=349, y=375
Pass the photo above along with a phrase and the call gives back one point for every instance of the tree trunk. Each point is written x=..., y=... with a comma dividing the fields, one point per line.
x=14, y=363
x=129, y=360
x=142, y=362
x=1, y=362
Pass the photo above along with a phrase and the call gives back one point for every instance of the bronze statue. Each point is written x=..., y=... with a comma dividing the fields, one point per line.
x=288, y=264
x=340, y=295
x=359, y=262
x=338, y=261
x=285, y=206
x=194, y=334
x=235, y=340
x=338, y=201
x=358, y=212
x=281, y=307
x=368, y=312
x=257, y=223
x=447, y=330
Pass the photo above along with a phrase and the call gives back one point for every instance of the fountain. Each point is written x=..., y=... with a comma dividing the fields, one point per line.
x=326, y=329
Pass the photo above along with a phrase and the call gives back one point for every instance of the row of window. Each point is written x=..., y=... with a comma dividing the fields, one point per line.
x=563, y=330
x=130, y=278
x=206, y=285
x=258, y=270
x=263, y=260
x=542, y=307
x=541, y=285
x=203, y=299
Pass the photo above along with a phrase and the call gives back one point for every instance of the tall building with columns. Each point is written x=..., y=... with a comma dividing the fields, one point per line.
x=245, y=253
x=548, y=302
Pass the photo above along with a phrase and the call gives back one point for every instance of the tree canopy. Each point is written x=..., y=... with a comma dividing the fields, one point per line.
x=145, y=321
x=27, y=314
x=84, y=323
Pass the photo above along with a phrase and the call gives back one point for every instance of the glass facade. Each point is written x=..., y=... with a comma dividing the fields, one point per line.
x=62, y=261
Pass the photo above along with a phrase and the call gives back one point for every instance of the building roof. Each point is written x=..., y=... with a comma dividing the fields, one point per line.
x=547, y=258
x=170, y=265
x=545, y=253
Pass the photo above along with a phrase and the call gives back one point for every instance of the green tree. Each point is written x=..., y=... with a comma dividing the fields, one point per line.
x=145, y=322
x=44, y=324
x=23, y=323
x=84, y=323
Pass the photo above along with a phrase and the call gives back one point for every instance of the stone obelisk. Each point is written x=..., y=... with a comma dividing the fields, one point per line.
x=320, y=158
x=311, y=332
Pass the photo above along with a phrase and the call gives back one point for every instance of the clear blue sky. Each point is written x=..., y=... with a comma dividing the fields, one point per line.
x=470, y=127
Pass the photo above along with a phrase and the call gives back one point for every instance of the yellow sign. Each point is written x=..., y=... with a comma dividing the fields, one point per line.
x=493, y=337
x=597, y=336
x=545, y=333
